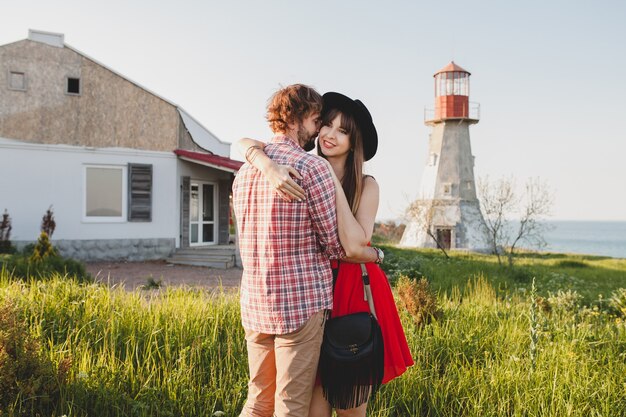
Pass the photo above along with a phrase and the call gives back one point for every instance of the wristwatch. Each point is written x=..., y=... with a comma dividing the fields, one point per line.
x=380, y=255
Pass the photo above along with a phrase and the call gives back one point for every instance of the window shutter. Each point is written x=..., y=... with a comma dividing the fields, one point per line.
x=139, y=193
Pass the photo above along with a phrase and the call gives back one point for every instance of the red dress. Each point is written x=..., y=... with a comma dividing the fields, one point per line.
x=348, y=298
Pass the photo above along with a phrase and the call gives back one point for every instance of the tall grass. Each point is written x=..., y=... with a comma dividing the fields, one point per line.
x=181, y=352
x=176, y=352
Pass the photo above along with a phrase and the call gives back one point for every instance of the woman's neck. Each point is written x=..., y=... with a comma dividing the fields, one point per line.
x=339, y=165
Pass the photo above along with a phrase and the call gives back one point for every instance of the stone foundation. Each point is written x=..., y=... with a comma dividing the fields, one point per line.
x=113, y=249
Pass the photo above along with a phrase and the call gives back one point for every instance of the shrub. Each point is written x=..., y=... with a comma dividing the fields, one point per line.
x=21, y=266
x=565, y=302
x=29, y=382
x=43, y=249
x=617, y=302
x=152, y=284
x=47, y=222
x=5, y=234
x=396, y=266
x=571, y=264
x=520, y=274
x=418, y=300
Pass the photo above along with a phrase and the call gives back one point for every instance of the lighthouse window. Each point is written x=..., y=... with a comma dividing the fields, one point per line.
x=433, y=159
x=449, y=84
x=457, y=84
x=447, y=189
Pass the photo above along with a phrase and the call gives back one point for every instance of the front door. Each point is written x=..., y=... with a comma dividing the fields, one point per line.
x=444, y=237
x=202, y=213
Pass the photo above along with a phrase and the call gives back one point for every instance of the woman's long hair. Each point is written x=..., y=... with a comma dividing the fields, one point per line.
x=352, y=181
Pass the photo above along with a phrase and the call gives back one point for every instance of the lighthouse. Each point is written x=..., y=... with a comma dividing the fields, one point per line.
x=447, y=211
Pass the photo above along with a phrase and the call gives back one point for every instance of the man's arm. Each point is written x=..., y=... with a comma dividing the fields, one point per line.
x=320, y=192
x=279, y=176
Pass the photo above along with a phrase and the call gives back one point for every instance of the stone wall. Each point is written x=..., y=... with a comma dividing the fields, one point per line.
x=113, y=249
x=110, y=111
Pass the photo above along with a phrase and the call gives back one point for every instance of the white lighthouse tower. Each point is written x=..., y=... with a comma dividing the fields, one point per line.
x=447, y=208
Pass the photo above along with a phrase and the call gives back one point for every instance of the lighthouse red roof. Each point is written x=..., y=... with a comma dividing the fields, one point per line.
x=452, y=67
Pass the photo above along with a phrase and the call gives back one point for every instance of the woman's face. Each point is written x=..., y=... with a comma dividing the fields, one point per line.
x=333, y=139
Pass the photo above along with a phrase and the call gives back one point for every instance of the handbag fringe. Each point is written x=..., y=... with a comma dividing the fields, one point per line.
x=350, y=384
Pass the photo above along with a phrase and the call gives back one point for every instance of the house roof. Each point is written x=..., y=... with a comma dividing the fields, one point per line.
x=200, y=134
x=214, y=161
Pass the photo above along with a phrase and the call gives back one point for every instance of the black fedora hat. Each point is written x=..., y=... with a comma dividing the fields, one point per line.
x=362, y=116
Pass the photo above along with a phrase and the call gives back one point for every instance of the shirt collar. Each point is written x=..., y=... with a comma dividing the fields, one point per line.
x=285, y=139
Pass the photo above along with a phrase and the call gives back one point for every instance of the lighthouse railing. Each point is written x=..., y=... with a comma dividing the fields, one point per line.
x=431, y=113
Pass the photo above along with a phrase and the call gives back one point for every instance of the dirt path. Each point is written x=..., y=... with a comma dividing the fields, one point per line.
x=135, y=274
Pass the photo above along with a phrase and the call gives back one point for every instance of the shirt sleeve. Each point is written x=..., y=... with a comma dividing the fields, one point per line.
x=323, y=211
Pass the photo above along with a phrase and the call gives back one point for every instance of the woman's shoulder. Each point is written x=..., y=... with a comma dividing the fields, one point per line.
x=369, y=180
x=370, y=185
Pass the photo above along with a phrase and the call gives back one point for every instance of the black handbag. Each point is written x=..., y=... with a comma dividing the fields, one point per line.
x=352, y=356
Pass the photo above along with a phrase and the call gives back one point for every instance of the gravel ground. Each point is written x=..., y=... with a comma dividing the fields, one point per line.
x=135, y=274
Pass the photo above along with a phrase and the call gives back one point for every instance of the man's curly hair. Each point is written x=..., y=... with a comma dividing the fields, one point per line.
x=292, y=104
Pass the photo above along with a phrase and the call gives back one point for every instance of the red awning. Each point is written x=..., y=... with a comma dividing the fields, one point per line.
x=214, y=161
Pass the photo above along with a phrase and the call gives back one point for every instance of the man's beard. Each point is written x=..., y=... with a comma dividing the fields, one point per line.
x=305, y=140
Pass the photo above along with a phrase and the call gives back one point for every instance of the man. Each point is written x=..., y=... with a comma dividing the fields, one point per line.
x=285, y=247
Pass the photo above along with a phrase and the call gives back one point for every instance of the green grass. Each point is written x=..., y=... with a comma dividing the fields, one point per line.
x=181, y=352
x=592, y=276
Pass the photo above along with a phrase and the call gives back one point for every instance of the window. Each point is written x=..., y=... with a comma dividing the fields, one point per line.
x=447, y=188
x=433, y=159
x=139, y=193
x=73, y=86
x=105, y=193
x=17, y=81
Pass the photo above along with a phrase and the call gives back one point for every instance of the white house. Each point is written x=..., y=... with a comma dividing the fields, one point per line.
x=129, y=174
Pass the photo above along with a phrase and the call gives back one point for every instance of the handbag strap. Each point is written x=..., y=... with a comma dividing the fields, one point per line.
x=367, y=291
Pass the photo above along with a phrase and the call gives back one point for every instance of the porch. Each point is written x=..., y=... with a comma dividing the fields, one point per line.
x=214, y=256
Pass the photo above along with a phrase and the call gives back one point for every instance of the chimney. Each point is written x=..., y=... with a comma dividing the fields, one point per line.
x=52, y=39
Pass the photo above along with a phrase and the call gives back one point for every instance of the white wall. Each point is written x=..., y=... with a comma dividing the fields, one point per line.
x=35, y=176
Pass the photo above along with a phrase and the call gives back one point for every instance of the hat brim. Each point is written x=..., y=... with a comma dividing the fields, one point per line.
x=362, y=116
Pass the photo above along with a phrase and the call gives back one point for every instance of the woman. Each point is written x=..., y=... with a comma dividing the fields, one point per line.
x=346, y=139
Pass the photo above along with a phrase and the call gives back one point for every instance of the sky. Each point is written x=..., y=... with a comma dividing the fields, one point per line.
x=547, y=75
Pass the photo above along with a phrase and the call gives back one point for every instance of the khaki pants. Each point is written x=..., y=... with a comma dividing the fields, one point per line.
x=283, y=369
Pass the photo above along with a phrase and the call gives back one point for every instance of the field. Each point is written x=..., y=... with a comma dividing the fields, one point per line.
x=499, y=346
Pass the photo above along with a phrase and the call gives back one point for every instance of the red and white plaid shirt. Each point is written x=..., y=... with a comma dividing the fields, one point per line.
x=285, y=246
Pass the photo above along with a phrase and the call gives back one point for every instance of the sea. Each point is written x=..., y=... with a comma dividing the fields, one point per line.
x=603, y=238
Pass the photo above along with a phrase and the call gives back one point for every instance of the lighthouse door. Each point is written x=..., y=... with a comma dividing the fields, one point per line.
x=444, y=236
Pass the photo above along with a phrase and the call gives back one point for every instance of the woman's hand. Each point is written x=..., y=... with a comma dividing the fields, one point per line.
x=279, y=177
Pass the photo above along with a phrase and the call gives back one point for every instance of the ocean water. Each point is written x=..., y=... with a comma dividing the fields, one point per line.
x=587, y=237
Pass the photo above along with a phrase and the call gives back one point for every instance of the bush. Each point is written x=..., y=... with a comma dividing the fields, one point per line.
x=617, y=302
x=5, y=234
x=418, y=300
x=572, y=264
x=22, y=266
x=43, y=249
x=29, y=382
x=565, y=302
x=396, y=266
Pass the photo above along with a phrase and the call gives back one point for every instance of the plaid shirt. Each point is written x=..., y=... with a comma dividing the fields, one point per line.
x=285, y=246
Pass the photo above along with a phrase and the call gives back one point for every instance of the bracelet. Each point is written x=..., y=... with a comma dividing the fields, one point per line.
x=380, y=255
x=250, y=150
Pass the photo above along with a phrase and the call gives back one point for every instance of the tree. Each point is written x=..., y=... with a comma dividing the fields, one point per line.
x=47, y=222
x=424, y=213
x=5, y=233
x=501, y=203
